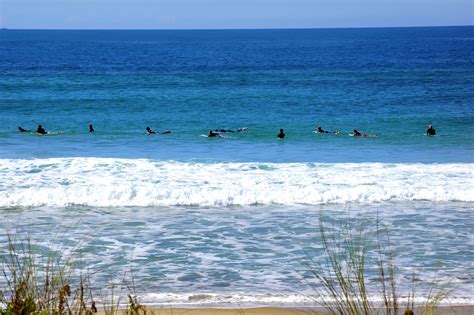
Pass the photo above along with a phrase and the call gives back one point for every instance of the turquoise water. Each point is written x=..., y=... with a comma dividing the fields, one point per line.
x=230, y=217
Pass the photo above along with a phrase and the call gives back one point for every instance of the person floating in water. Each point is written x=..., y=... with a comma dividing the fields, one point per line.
x=430, y=131
x=40, y=130
x=281, y=134
x=23, y=130
x=213, y=134
x=320, y=130
x=91, y=128
x=151, y=131
x=356, y=133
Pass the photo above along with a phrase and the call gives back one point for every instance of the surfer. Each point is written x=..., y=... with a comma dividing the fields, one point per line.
x=150, y=131
x=91, y=128
x=223, y=130
x=213, y=134
x=356, y=133
x=430, y=131
x=40, y=130
x=320, y=130
x=23, y=130
x=281, y=134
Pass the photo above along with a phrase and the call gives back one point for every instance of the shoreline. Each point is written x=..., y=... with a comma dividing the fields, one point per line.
x=442, y=310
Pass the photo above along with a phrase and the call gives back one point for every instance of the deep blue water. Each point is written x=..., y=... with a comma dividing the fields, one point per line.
x=389, y=81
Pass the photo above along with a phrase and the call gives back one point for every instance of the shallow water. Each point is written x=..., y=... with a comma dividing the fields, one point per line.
x=255, y=253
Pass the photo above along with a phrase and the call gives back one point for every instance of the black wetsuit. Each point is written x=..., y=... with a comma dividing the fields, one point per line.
x=41, y=130
x=213, y=134
x=281, y=135
x=431, y=131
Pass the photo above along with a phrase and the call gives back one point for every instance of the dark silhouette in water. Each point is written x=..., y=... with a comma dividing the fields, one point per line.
x=431, y=131
x=213, y=134
x=356, y=133
x=149, y=130
x=23, y=130
x=91, y=128
x=41, y=130
x=320, y=130
x=281, y=135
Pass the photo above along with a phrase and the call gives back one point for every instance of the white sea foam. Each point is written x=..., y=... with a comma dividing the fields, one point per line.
x=104, y=182
x=247, y=300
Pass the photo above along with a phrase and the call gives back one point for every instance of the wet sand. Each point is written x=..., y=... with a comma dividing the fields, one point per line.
x=444, y=310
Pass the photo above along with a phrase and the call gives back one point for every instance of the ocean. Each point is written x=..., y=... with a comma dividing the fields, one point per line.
x=215, y=221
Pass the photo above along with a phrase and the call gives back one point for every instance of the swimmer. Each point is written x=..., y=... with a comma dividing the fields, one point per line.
x=23, y=130
x=40, y=130
x=213, y=134
x=430, y=131
x=91, y=128
x=320, y=130
x=356, y=133
x=281, y=134
x=149, y=131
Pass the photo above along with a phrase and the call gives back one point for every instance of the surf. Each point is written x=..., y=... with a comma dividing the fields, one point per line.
x=113, y=182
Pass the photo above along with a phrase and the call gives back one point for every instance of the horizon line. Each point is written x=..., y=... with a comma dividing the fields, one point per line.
x=227, y=29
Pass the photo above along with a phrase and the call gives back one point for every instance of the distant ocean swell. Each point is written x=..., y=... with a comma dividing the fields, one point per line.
x=105, y=182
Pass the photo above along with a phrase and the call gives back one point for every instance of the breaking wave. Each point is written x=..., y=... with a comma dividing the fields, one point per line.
x=106, y=182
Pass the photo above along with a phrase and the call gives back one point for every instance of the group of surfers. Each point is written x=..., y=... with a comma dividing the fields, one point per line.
x=41, y=131
x=217, y=132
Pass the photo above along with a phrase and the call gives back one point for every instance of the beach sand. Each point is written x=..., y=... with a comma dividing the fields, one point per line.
x=444, y=310
x=228, y=311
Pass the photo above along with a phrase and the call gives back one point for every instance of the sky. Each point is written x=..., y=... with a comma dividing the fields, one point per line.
x=231, y=14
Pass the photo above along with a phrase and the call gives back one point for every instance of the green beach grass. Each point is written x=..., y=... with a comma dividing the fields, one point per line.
x=340, y=278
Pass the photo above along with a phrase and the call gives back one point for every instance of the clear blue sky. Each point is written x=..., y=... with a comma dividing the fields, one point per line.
x=192, y=14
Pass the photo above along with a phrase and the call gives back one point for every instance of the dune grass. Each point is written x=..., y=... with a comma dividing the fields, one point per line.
x=340, y=279
x=41, y=281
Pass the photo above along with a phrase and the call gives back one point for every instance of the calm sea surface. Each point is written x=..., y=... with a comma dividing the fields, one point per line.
x=230, y=217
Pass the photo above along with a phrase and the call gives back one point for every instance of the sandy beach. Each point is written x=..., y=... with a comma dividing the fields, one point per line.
x=228, y=311
x=444, y=310
x=234, y=311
